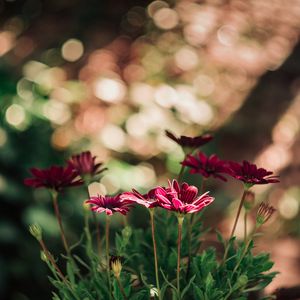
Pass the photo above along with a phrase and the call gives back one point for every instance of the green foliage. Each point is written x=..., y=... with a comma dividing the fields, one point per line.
x=208, y=277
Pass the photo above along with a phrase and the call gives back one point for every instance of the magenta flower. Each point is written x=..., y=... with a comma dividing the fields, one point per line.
x=206, y=165
x=109, y=204
x=182, y=199
x=190, y=142
x=84, y=164
x=250, y=174
x=148, y=200
x=55, y=178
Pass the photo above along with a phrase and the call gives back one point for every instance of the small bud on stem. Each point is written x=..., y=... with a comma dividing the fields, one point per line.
x=264, y=213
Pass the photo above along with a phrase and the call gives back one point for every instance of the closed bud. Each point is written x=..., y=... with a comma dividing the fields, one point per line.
x=249, y=200
x=36, y=231
x=86, y=206
x=44, y=256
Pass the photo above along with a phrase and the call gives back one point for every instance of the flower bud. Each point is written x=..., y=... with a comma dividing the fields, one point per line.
x=36, y=231
x=44, y=256
x=127, y=232
x=249, y=200
x=264, y=213
x=115, y=264
x=86, y=206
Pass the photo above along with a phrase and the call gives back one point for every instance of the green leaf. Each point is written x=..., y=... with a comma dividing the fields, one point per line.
x=70, y=273
x=141, y=295
x=163, y=289
x=209, y=282
x=188, y=286
x=172, y=260
x=55, y=296
x=167, y=281
x=116, y=291
x=198, y=294
x=220, y=237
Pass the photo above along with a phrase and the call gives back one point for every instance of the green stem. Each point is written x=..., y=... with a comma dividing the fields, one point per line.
x=189, y=231
x=234, y=225
x=245, y=226
x=97, y=234
x=238, y=214
x=151, y=211
x=96, y=225
x=121, y=288
x=180, y=175
x=180, y=221
x=58, y=217
x=57, y=269
x=107, y=253
x=242, y=256
x=51, y=259
x=89, y=243
x=247, y=244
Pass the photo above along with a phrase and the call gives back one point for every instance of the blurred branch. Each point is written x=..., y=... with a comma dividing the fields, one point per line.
x=292, y=293
x=262, y=109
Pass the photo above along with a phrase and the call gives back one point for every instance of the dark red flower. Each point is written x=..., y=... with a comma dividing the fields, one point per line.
x=206, y=165
x=84, y=164
x=190, y=142
x=250, y=174
x=148, y=200
x=56, y=178
x=109, y=204
x=182, y=199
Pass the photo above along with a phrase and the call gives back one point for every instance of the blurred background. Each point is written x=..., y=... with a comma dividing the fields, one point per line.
x=110, y=77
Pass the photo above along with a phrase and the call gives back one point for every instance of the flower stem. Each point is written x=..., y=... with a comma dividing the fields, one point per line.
x=87, y=226
x=189, y=231
x=57, y=269
x=121, y=288
x=180, y=221
x=96, y=224
x=180, y=175
x=51, y=259
x=238, y=214
x=245, y=225
x=62, y=232
x=97, y=234
x=107, y=252
x=151, y=211
x=58, y=217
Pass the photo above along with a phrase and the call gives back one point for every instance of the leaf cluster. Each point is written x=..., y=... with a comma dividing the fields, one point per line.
x=204, y=275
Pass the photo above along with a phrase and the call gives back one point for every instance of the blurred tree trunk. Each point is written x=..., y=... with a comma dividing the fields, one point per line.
x=250, y=129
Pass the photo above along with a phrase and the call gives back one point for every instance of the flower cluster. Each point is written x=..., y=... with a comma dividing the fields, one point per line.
x=181, y=199
x=212, y=166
